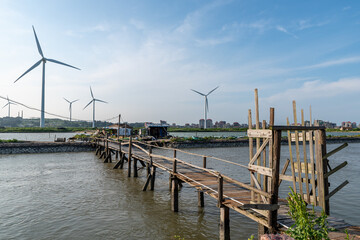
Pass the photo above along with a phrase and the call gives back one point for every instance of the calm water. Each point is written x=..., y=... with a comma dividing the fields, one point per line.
x=241, y=134
x=76, y=196
x=43, y=137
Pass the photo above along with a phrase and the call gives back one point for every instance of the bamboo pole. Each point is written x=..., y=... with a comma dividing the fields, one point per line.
x=291, y=158
x=251, y=153
x=297, y=151
x=305, y=158
x=129, y=157
x=311, y=149
x=257, y=139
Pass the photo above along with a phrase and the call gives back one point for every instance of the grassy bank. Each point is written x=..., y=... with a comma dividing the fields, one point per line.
x=40, y=130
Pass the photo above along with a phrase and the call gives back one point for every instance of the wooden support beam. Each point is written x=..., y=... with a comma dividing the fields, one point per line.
x=204, y=162
x=220, y=191
x=201, y=199
x=224, y=226
x=269, y=207
x=148, y=179
x=129, y=157
x=153, y=173
x=326, y=175
x=336, y=189
x=335, y=150
x=174, y=195
x=274, y=190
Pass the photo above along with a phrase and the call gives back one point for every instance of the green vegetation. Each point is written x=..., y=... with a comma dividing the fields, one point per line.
x=201, y=139
x=307, y=226
x=207, y=130
x=338, y=130
x=9, y=141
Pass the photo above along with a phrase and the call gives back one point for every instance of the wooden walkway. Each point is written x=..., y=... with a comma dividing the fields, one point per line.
x=229, y=193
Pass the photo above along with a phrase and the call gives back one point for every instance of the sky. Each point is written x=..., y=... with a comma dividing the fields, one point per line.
x=143, y=57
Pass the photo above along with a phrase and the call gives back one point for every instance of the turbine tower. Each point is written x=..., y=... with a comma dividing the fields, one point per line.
x=8, y=104
x=206, y=102
x=70, y=105
x=93, y=102
x=43, y=60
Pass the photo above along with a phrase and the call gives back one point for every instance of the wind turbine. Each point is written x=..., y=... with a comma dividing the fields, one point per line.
x=70, y=105
x=206, y=102
x=8, y=104
x=43, y=60
x=93, y=102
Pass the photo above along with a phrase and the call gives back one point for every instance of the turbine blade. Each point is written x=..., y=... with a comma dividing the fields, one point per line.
x=67, y=100
x=197, y=92
x=5, y=105
x=37, y=43
x=88, y=104
x=212, y=91
x=75, y=100
x=34, y=66
x=58, y=62
x=100, y=100
x=92, y=95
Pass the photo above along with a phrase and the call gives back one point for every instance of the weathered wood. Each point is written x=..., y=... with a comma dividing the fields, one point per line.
x=332, y=152
x=148, y=179
x=259, y=169
x=201, y=199
x=327, y=197
x=283, y=171
x=174, y=195
x=153, y=174
x=220, y=181
x=135, y=167
x=258, y=162
x=258, y=152
x=204, y=162
x=265, y=178
x=224, y=225
x=259, y=133
x=334, y=170
x=270, y=207
x=297, y=150
x=272, y=221
x=251, y=152
x=291, y=158
x=129, y=157
x=305, y=158
x=325, y=170
x=296, y=128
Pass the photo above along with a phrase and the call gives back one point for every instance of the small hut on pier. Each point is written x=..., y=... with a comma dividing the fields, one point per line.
x=156, y=130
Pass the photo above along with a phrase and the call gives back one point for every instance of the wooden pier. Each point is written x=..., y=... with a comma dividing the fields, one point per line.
x=258, y=200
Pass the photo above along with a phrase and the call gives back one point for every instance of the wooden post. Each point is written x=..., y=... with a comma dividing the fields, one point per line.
x=274, y=190
x=204, y=162
x=152, y=183
x=323, y=184
x=224, y=223
x=135, y=167
x=201, y=199
x=220, y=191
x=251, y=153
x=174, y=194
x=129, y=157
x=258, y=162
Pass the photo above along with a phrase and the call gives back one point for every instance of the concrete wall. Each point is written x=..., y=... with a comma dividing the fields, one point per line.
x=44, y=147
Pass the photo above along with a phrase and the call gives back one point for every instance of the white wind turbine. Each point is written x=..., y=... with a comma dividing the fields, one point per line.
x=71, y=102
x=43, y=60
x=8, y=104
x=93, y=102
x=206, y=102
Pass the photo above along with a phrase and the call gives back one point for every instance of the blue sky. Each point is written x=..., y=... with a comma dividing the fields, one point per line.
x=143, y=57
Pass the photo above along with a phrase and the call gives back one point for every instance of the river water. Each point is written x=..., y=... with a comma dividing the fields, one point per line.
x=76, y=196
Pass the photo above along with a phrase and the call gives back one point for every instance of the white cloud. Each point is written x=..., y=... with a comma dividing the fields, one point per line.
x=284, y=30
x=305, y=24
x=318, y=89
x=333, y=63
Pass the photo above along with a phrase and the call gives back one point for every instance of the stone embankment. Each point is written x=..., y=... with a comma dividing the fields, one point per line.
x=44, y=147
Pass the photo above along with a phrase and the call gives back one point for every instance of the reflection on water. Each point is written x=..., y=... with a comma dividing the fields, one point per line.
x=75, y=195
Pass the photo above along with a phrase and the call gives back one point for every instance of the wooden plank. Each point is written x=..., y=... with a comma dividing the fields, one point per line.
x=297, y=149
x=257, y=139
x=283, y=171
x=291, y=159
x=305, y=158
x=259, y=133
x=296, y=128
x=334, y=170
x=258, y=186
x=262, y=170
x=258, y=152
x=251, y=151
x=265, y=178
x=270, y=207
x=335, y=150
x=336, y=189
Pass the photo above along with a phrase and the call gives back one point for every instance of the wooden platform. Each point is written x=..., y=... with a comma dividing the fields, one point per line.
x=236, y=195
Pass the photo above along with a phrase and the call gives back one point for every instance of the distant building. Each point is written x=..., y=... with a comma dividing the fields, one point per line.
x=156, y=130
x=325, y=124
x=236, y=125
x=202, y=123
x=209, y=123
x=221, y=124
